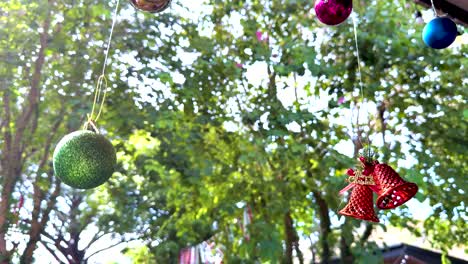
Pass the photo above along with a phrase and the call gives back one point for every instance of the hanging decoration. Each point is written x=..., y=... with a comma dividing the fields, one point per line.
x=152, y=6
x=85, y=159
x=440, y=32
x=392, y=190
x=360, y=204
x=371, y=176
x=333, y=12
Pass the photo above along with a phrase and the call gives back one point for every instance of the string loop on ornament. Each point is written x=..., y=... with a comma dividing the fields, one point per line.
x=90, y=125
x=97, y=98
x=100, y=92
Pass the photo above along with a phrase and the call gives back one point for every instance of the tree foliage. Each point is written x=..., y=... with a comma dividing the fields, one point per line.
x=244, y=103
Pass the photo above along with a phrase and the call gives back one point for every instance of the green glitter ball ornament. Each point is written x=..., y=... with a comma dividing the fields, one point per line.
x=84, y=159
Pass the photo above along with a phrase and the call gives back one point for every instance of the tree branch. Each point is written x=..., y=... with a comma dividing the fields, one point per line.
x=7, y=118
x=34, y=92
x=56, y=242
x=8, y=181
x=312, y=250
x=295, y=94
x=38, y=195
x=367, y=233
x=85, y=224
x=49, y=236
x=52, y=252
x=51, y=203
x=37, y=226
x=289, y=238
x=51, y=136
x=345, y=251
x=95, y=238
x=109, y=247
x=292, y=240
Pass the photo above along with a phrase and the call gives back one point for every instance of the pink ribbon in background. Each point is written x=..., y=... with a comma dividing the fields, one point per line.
x=203, y=253
x=246, y=220
x=189, y=256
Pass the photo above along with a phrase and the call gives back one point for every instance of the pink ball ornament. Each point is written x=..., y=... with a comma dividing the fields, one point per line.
x=152, y=6
x=333, y=12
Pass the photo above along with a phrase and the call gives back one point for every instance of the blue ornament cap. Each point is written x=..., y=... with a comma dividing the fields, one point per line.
x=439, y=33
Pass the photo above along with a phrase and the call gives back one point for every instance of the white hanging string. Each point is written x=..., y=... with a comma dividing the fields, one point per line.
x=433, y=8
x=358, y=58
x=102, y=79
x=360, y=78
x=114, y=19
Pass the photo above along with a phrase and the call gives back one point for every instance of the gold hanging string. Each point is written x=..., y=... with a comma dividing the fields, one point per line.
x=100, y=92
x=97, y=94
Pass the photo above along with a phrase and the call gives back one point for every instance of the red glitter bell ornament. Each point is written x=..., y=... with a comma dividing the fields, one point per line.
x=391, y=189
x=333, y=12
x=152, y=6
x=360, y=204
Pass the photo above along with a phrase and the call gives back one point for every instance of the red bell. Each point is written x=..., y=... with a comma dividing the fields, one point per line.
x=360, y=204
x=392, y=190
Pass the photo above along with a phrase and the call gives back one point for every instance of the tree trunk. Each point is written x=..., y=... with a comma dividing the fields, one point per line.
x=367, y=233
x=27, y=256
x=6, y=172
x=324, y=226
x=345, y=251
x=298, y=250
x=4, y=212
x=14, y=144
x=292, y=240
x=10, y=173
x=289, y=233
x=38, y=224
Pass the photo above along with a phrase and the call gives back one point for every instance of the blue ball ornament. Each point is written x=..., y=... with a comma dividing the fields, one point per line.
x=439, y=33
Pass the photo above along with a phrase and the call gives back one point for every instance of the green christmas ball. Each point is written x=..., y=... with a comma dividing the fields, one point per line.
x=84, y=159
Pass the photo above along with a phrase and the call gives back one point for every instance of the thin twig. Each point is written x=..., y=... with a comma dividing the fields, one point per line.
x=95, y=238
x=48, y=143
x=51, y=251
x=34, y=93
x=109, y=247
